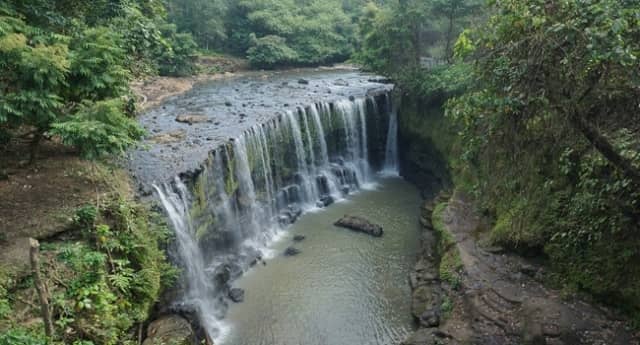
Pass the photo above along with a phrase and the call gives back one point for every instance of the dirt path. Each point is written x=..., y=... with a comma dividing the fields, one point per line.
x=497, y=298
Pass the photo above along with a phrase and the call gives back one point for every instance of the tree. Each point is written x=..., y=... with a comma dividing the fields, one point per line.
x=47, y=87
x=453, y=11
x=550, y=138
x=205, y=19
x=34, y=70
x=271, y=51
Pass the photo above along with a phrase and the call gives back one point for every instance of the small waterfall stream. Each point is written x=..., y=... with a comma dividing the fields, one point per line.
x=250, y=189
x=392, y=163
x=200, y=291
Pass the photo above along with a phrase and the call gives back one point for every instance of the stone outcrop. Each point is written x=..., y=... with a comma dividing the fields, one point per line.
x=170, y=329
x=291, y=251
x=168, y=137
x=360, y=224
x=236, y=295
x=192, y=118
x=491, y=297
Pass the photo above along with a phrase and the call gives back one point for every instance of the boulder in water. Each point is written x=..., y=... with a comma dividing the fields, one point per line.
x=236, y=295
x=168, y=137
x=303, y=82
x=170, y=329
x=341, y=82
x=360, y=224
x=191, y=118
x=325, y=201
x=295, y=212
x=299, y=238
x=284, y=219
x=225, y=273
x=292, y=251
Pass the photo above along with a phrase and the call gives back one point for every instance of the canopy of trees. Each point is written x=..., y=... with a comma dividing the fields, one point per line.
x=551, y=141
x=67, y=66
x=544, y=100
x=273, y=33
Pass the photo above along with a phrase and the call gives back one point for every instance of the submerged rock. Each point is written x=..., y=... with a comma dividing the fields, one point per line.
x=292, y=251
x=341, y=82
x=303, y=82
x=295, y=212
x=360, y=224
x=236, y=295
x=191, y=118
x=225, y=273
x=169, y=137
x=430, y=318
x=325, y=201
x=299, y=238
x=290, y=215
x=170, y=329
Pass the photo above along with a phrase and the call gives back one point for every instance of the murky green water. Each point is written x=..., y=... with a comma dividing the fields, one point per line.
x=345, y=288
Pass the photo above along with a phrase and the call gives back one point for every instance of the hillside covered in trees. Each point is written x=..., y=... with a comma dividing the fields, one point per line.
x=529, y=107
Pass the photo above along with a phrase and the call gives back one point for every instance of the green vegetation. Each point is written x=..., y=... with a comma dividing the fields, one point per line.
x=450, y=262
x=530, y=105
x=273, y=33
x=103, y=282
x=67, y=66
x=550, y=140
x=399, y=37
x=542, y=100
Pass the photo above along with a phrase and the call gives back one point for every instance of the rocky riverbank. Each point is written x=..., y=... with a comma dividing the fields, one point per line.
x=466, y=292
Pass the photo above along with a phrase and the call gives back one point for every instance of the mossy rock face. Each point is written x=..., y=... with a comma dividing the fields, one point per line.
x=424, y=298
x=426, y=140
x=169, y=330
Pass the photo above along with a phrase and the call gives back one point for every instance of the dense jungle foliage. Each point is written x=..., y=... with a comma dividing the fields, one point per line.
x=67, y=67
x=102, y=278
x=273, y=33
x=541, y=125
x=542, y=101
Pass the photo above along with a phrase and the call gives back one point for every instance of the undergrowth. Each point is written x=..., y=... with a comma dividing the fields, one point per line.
x=103, y=281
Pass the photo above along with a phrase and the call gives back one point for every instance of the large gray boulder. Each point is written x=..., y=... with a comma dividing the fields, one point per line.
x=360, y=224
x=169, y=329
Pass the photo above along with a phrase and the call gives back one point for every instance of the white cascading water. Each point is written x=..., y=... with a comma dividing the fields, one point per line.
x=391, y=162
x=199, y=290
x=250, y=198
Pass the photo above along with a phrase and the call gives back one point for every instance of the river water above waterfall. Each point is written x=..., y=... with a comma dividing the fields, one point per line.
x=344, y=287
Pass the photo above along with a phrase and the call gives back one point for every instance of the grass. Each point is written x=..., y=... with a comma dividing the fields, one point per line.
x=450, y=261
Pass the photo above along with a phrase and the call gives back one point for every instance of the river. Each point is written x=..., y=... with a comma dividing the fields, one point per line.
x=254, y=154
x=344, y=287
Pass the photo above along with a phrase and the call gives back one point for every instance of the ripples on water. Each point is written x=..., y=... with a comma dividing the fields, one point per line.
x=345, y=287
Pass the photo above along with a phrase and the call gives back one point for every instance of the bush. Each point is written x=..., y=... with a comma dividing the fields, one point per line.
x=177, y=55
x=117, y=272
x=271, y=51
x=99, y=128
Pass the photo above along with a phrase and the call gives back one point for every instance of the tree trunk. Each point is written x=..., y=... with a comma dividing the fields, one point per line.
x=43, y=294
x=605, y=148
x=34, y=146
x=447, y=49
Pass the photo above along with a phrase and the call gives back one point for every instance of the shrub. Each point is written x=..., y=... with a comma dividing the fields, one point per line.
x=99, y=128
x=271, y=51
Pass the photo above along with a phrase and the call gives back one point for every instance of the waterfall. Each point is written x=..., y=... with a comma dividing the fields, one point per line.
x=227, y=214
x=391, y=163
x=199, y=290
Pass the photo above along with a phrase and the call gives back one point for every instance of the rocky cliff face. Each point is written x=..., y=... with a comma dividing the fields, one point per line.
x=425, y=140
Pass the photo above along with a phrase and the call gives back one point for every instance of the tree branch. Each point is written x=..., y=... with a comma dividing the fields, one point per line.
x=602, y=144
